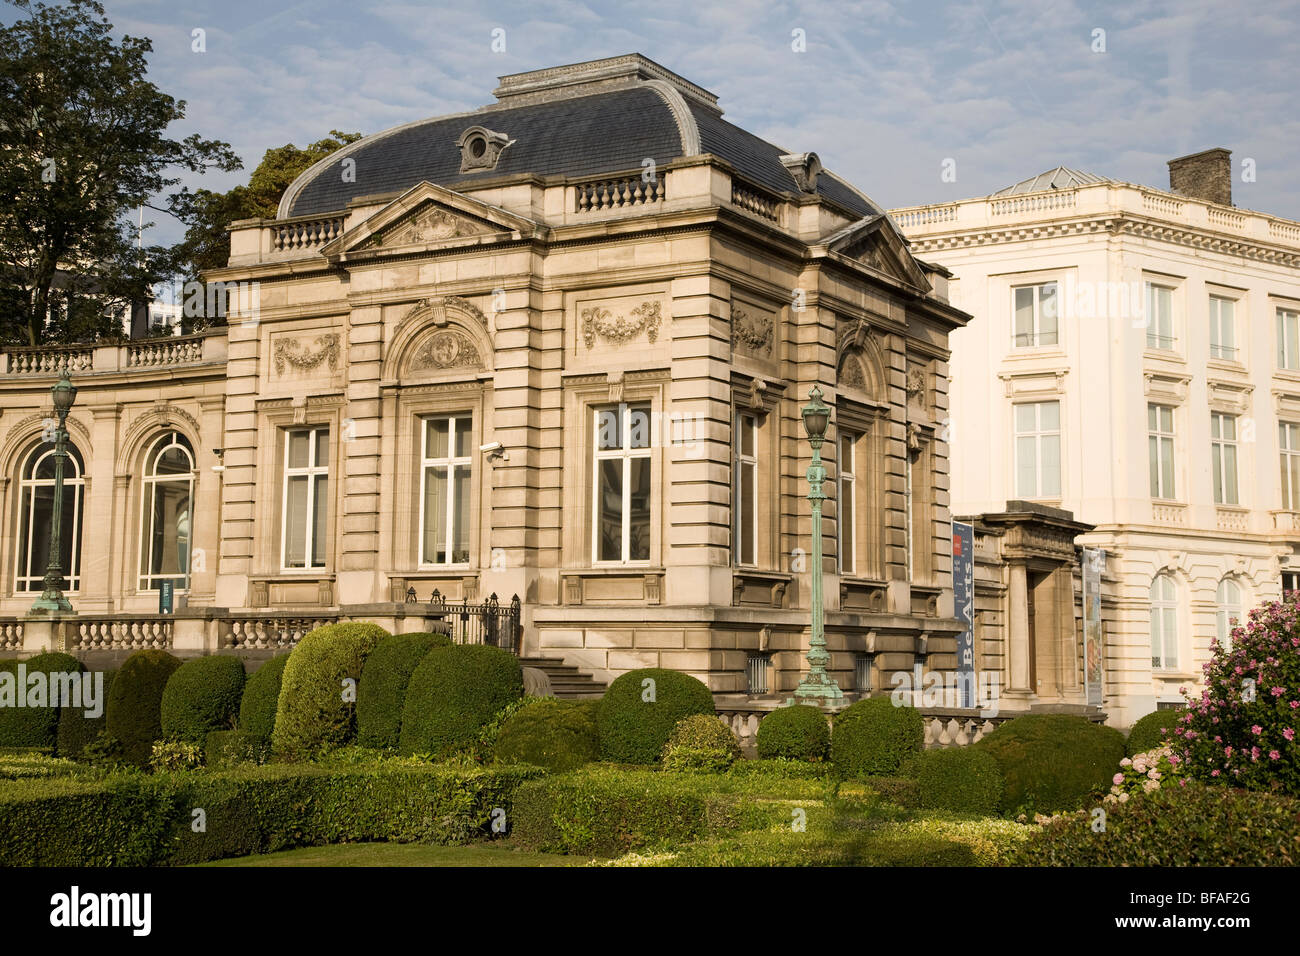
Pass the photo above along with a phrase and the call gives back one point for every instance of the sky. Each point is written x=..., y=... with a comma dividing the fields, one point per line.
x=886, y=93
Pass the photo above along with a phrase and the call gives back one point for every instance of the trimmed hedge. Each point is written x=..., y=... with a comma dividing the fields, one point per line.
x=262, y=697
x=633, y=728
x=1193, y=825
x=1146, y=734
x=701, y=742
x=34, y=726
x=559, y=735
x=228, y=748
x=76, y=730
x=959, y=778
x=202, y=696
x=873, y=737
x=1051, y=762
x=798, y=732
x=314, y=712
x=454, y=693
x=135, y=703
x=381, y=694
x=136, y=820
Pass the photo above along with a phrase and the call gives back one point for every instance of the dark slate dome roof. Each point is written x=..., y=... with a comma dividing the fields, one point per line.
x=583, y=120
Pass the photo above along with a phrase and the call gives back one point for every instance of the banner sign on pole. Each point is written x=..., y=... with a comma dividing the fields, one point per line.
x=1093, y=651
x=963, y=599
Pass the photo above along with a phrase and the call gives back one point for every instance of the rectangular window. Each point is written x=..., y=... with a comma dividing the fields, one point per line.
x=1291, y=585
x=1288, y=339
x=1160, y=443
x=1289, y=446
x=1160, y=316
x=621, y=484
x=444, y=502
x=306, y=498
x=745, y=492
x=1036, y=315
x=848, y=503
x=1223, y=338
x=1038, y=450
x=1223, y=457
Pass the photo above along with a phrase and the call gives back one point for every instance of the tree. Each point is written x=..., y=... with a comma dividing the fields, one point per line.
x=207, y=241
x=83, y=144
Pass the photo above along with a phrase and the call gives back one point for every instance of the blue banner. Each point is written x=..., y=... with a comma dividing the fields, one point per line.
x=963, y=600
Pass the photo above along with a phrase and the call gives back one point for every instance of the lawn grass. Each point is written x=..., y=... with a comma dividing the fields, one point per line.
x=401, y=854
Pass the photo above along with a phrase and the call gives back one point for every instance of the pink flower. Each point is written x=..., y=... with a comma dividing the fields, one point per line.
x=1278, y=691
x=1126, y=762
x=1274, y=755
x=1288, y=733
x=1214, y=773
x=1117, y=779
x=1257, y=730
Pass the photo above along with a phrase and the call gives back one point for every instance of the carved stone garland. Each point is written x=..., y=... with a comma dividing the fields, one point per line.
x=292, y=352
x=754, y=334
x=618, y=329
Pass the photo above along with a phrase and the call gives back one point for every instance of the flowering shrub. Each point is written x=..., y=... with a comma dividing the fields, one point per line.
x=1242, y=731
x=1143, y=773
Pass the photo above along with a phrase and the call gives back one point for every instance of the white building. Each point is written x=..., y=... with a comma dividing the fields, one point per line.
x=1135, y=359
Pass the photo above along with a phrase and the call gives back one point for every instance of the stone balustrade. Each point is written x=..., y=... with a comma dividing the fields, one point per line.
x=618, y=193
x=158, y=353
x=292, y=235
x=268, y=632
x=121, y=632
x=137, y=356
x=50, y=360
x=761, y=204
x=11, y=635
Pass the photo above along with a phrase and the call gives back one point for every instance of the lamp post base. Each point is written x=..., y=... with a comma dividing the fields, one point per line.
x=817, y=692
x=51, y=602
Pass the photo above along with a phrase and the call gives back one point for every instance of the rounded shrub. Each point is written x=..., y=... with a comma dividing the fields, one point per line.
x=382, y=691
x=38, y=725
x=873, y=737
x=262, y=697
x=135, y=703
x=959, y=778
x=701, y=742
x=636, y=718
x=202, y=696
x=454, y=693
x=559, y=735
x=1154, y=729
x=798, y=732
x=315, y=711
x=1051, y=762
x=76, y=730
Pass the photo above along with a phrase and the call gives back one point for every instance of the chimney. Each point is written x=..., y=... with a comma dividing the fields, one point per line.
x=1206, y=175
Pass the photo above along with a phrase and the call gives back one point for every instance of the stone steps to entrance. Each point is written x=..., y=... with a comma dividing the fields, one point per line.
x=567, y=682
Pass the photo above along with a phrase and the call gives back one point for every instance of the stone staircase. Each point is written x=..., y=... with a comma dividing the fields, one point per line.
x=567, y=682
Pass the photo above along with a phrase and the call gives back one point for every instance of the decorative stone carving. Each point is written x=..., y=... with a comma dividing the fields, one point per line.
x=804, y=167
x=481, y=148
x=916, y=386
x=754, y=334
x=446, y=348
x=851, y=375
x=757, y=388
x=294, y=353
x=432, y=225
x=619, y=330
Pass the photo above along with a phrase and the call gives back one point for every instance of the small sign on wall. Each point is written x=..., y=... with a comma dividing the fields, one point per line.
x=166, y=597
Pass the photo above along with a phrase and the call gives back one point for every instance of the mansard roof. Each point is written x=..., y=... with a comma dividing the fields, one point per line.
x=580, y=120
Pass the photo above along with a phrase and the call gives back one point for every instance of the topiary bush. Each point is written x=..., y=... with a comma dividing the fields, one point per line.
x=639, y=711
x=454, y=693
x=202, y=696
x=262, y=697
x=135, y=703
x=700, y=742
x=228, y=748
x=559, y=735
x=316, y=711
x=1051, y=762
x=76, y=730
x=873, y=737
x=959, y=778
x=799, y=732
x=1154, y=729
x=34, y=726
x=382, y=691
x=1243, y=729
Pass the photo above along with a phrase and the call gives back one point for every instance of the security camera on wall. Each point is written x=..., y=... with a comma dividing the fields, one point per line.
x=494, y=450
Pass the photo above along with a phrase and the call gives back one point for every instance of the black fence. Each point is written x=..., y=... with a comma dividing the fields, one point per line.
x=491, y=622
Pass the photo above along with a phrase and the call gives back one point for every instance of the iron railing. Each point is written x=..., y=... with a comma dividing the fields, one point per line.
x=488, y=623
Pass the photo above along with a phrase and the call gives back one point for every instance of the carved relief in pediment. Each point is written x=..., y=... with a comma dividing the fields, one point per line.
x=445, y=349
x=430, y=225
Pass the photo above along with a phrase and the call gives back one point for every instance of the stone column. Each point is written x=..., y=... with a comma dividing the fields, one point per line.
x=1018, y=647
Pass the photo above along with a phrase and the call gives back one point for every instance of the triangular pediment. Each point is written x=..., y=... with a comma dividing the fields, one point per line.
x=428, y=217
x=876, y=243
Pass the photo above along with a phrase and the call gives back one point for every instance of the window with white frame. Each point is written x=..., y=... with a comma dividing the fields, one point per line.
x=1160, y=444
x=1288, y=339
x=306, y=498
x=1164, y=622
x=1160, y=316
x=36, y=516
x=167, y=513
x=1223, y=457
x=745, y=491
x=1227, y=599
x=1036, y=315
x=1038, y=450
x=1288, y=441
x=621, y=484
x=848, y=503
x=1223, y=332
x=445, y=462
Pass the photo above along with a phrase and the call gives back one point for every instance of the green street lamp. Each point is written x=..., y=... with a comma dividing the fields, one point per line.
x=817, y=687
x=64, y=393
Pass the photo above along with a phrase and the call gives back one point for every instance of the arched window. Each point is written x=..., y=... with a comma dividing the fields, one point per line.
x=36, y=512
x=166, y=513
x=1228, y=611
x=1164, y=622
